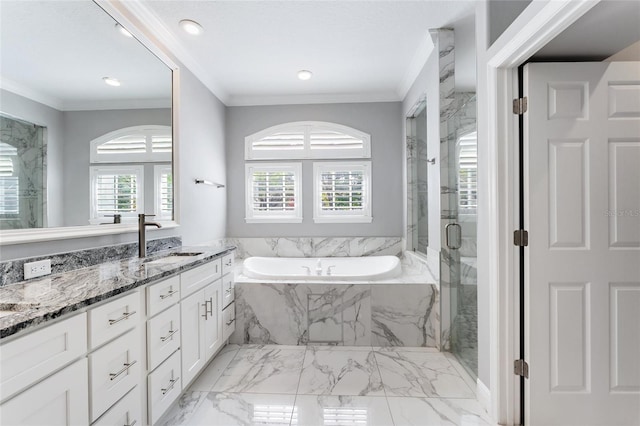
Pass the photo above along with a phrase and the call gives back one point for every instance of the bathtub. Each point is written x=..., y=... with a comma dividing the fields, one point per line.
x=365, y=268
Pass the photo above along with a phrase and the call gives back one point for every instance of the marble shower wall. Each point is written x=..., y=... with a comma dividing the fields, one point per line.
x=24, y=145
x=316, y=246
x=337, y=314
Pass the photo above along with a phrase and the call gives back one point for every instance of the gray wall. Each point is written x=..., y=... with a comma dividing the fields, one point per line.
x=81, y=127
x=380, y=120
x=52, y=119
x=201, y=151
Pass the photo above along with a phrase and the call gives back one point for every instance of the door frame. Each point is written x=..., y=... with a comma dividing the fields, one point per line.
x=538, y=24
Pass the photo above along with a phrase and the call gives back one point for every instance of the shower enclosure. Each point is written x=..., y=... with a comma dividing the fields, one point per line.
x=458, y=255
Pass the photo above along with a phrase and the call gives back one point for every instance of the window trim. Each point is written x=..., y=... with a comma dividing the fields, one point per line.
x=306, y=152
x=319, y=216
x=149, y=131
x=158, y=171
x=94, y=171
x=252, y=216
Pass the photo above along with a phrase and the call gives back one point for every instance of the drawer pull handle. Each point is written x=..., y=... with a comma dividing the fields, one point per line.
x=169, y=336
x=169, y=294
x=172, y=382
x=125, y=368
x=227, y=291
x=231, y=322
x=124, y=316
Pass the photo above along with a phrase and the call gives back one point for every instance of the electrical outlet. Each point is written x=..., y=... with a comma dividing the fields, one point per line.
x=37, y=269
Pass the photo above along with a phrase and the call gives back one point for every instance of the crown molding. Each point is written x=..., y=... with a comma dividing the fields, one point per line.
x=346, y=98
x=31, y=94
x=420, y=58
x=154, y=26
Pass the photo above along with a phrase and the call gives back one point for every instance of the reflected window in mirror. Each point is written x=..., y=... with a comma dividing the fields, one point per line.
x=123, y=190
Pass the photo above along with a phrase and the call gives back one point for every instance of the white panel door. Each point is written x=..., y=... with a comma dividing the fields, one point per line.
x=213, y=322
x=192, y=311
x=582, y=211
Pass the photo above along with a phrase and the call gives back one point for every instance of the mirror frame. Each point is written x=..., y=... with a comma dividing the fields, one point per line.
x=22, y=236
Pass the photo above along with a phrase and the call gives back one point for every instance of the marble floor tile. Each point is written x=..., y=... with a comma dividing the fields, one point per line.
x=437, y=412
x=340, y=372
x=321, y=410
x=215, y=369
x=420, y=374
x=181, y=413
x=405, y=349
x=262, y=370
x=338, y=348
x=238, y=409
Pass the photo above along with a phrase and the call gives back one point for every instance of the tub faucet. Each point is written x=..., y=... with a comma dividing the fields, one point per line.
x=319, y=267
x=142, y=236
x=307, y=269
x=329, y=269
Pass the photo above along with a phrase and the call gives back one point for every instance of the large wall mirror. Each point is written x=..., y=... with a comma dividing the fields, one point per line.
x=86, y=120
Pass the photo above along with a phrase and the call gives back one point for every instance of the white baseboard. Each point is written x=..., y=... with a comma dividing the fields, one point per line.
x=484, y=395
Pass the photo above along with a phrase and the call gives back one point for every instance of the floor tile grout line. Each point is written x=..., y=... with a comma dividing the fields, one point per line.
x=384, y=388
x=225, y=367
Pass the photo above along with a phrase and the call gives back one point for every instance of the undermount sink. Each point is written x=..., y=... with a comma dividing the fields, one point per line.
x=173, y=258
x=12, y=308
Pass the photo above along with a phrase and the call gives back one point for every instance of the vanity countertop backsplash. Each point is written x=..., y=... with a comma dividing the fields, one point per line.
x=27, y=304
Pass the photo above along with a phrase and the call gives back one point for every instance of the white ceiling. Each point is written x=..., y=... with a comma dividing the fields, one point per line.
x=56, y=52
x=358, y=51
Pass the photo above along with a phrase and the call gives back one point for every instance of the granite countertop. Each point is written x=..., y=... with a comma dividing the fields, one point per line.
x=27, y=304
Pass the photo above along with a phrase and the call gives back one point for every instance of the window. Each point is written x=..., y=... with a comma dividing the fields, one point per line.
x=164, y=191
x=307, y=139
x=136, y=144
x=116, y=190
x=9, y=181
x=468, y=174
x=342, y=192
x=273, y=193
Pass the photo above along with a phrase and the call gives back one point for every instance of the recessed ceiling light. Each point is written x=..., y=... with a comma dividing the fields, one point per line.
x=122, y=30
x=111, y=81
x=192, y=27
x=304, y=74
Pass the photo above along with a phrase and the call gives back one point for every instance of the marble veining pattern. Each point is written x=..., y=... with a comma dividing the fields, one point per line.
x=12, y=271
x=328, y=389
x=40, y=300
x=316, y=246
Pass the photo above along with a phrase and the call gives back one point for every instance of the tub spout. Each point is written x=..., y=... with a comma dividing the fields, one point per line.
x=319, y=267
x=307, y=269
x=329, y=269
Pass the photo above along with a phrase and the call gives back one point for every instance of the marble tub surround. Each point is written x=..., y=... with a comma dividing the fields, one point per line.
x=43, y=299
x=334, y=385
x=337, y=314
x=12, y=271
x=316, y=246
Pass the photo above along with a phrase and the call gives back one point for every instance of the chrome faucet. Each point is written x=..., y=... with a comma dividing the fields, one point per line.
x=329, y=269
x=142, y=237
x=319, y=267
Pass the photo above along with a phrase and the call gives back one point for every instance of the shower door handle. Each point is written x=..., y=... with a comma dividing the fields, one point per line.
x=453, y=236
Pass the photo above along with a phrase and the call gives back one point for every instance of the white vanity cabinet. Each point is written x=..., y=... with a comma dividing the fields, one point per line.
x=200, y=316
x=61, y=399
x=228, y=296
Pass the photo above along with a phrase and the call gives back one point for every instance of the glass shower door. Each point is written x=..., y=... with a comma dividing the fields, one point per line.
x=459, y=225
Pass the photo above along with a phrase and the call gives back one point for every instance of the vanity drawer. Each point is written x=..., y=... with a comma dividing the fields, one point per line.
x=227, y=263
x=227, y=290
x=164, y=386
x=163, y=336
x=197, y=278
x=30, y=358
x=228, y=321
x=125, y=412
x=114, y=369
x=113, y=318
x=162, y=295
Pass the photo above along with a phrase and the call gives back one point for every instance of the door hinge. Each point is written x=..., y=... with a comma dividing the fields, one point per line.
x=521, y=368
x=521, y=238
x=520, y=106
